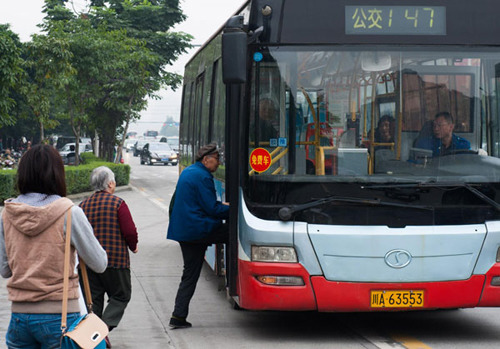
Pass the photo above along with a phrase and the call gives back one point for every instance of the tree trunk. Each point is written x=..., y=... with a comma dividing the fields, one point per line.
x=42, y=133
x=120, y=146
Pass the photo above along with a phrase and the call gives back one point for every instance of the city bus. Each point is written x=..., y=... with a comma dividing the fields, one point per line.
x=341, y=221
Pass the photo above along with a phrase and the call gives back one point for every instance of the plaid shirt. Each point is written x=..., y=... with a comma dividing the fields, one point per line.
x=101, y=210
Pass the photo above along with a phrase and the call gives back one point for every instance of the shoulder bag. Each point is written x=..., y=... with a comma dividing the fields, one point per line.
x=88, y=331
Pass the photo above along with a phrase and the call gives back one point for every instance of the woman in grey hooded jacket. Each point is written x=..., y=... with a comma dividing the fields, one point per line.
x=32, y=235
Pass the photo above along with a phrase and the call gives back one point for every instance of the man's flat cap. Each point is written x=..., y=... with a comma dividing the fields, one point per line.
x=206, y=150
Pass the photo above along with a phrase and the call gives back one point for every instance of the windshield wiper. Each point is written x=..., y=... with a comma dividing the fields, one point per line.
x=482, y=196
x=467, y=186
x=285, y=213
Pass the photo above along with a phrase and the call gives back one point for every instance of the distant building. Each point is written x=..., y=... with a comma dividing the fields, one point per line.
x=170, y=128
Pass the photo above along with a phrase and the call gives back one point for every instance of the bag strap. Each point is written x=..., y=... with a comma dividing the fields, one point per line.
x=86, y=284
x=83, y=268
x=67, y=255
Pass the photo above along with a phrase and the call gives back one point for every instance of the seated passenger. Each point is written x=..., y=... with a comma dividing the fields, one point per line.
x=384, y=133
x=443, y=141
x=268, y=126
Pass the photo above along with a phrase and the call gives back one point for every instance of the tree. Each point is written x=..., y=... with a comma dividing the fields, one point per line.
x=142, y=46
x=125, y=87
x=49, y=69
x=100, y=61
x=11, y=73
x=149, y=22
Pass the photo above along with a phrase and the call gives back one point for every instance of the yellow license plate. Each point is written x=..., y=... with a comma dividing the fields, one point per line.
x=397, y=299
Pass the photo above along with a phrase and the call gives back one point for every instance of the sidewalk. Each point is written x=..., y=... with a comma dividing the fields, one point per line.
x=144, y=324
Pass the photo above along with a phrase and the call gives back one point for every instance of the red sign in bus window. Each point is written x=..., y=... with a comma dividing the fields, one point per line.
x=260, y=160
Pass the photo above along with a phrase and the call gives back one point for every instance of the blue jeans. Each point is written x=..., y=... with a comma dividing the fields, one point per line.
x=36, y=331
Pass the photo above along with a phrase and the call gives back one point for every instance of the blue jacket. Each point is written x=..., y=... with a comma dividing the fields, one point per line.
x=196, y=211
x=434, y=144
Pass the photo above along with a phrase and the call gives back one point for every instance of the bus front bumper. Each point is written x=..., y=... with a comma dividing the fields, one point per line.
x=319, y=294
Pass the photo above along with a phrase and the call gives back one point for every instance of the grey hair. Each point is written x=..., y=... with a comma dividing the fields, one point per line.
x=101, y=177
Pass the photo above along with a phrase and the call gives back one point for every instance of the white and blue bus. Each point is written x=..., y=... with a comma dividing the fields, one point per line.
x=325, y=214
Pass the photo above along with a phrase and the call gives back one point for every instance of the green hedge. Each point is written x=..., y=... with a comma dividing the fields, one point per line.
x=7, y=184
x=77, y=178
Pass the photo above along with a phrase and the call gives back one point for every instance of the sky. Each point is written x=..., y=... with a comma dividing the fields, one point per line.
x=204, y=17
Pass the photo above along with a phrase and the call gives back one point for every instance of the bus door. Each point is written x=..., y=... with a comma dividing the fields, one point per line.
x=269, y=121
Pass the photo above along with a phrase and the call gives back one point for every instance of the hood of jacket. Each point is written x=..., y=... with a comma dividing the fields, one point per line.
x=32, y=220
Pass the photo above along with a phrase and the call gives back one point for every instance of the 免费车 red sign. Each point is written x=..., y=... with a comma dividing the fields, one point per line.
x=260, y=160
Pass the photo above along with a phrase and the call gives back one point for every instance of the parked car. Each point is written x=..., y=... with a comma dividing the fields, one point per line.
x=67, y=152
x=138, y=146
x=158, y=153
x=63, y=140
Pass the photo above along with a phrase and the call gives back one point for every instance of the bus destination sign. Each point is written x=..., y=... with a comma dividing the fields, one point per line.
x=395, y=20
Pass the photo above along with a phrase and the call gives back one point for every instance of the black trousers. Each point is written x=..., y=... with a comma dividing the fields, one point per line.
x=117, y=284
x=193, y=255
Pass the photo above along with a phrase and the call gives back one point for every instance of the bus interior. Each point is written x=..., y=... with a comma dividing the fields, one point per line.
x=329, y=101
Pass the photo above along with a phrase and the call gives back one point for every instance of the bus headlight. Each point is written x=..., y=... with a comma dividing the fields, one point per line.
x=274, y=254
x=281, y=280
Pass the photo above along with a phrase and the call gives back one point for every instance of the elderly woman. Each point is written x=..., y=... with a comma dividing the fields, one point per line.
x=196, y=222
x=32, y=235
x=116, y=231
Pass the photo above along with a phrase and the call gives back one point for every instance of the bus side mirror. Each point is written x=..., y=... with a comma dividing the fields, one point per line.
x=234, y=52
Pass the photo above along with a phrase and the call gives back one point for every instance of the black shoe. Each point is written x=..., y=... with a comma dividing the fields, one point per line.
x=176, y=322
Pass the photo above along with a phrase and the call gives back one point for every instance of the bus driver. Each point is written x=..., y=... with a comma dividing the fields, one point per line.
x=443, y=141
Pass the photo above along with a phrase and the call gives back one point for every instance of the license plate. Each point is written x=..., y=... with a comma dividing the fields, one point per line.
x=164, y=159
x=397, y=299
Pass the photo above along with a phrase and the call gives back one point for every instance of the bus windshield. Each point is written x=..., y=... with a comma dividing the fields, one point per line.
x=375, y=114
